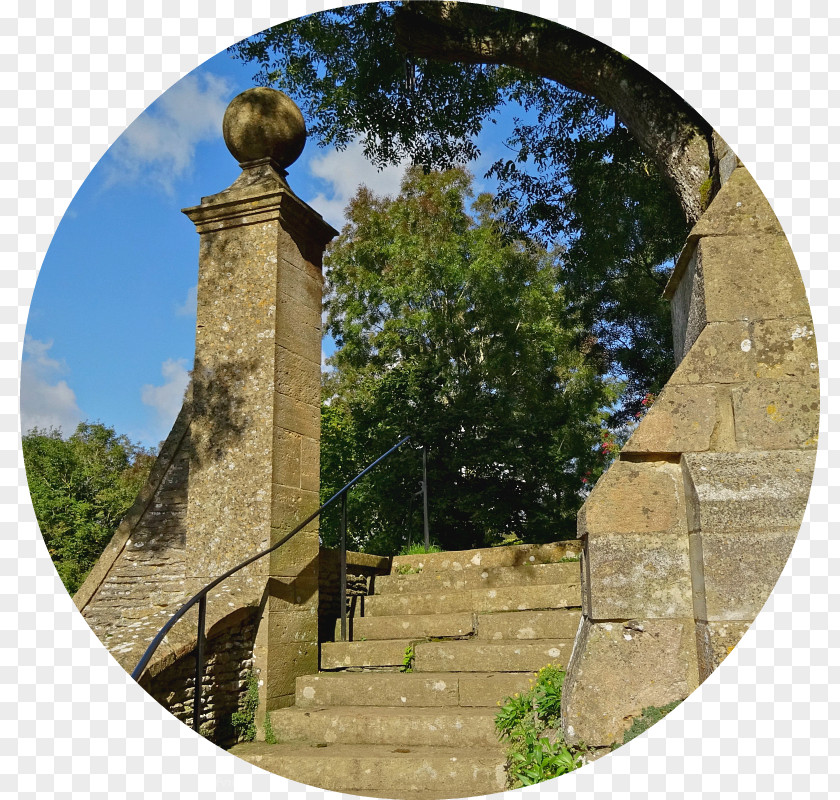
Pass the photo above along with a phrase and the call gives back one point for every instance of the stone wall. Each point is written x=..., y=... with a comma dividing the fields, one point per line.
x=229, y=661
x=362, y=570
x=687, y=532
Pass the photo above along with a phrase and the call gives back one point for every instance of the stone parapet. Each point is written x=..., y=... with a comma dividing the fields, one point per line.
x=687, y=532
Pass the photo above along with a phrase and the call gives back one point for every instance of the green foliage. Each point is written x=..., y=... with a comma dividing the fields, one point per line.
x=452, y=327
x=408, y=659
x=244, y=721
x=270, y=736
x=649, y=716
x=81, y=488
x=576, y=178
x=529, y=723
x=418, y=549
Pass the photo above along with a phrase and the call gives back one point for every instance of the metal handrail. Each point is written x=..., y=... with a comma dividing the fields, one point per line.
x=201, y=596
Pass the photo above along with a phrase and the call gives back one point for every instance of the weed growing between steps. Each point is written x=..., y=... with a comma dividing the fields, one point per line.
x=530, y=724
x=418, y=549
x=270, y=736
x=244, y=721
x=649, y=716
x=408, y=659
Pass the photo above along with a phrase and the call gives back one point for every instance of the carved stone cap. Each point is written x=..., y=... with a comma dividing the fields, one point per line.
x=263, y=123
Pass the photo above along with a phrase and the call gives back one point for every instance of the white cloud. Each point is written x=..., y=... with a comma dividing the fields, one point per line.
x=168, y=398
x=45, y=401
x=159, y=146
x=346, y=170
x=188, y=307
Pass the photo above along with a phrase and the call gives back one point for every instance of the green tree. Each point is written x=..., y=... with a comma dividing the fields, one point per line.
x=81, y=487
x=596, y=180
x=452, y=327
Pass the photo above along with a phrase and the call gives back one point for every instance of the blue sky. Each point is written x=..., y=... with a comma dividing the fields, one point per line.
x=111, y=329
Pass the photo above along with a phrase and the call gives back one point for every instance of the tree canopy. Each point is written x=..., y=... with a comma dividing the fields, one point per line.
x=577, y=177
x=453, y=327
x=81, y=487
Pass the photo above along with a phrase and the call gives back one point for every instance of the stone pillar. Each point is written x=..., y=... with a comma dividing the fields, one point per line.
x=254, y=465
x=687, y=532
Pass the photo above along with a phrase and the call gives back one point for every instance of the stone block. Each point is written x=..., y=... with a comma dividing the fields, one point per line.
x=635, y=498
x=729, y=492
x=298, y=327
x=293, y=595
x=750, y=278
x=643, y=575
x=740, y=569
x=715, y=641
x=290, y=506
x=683, y=419
x=688, y=306
x=287, y=452
x=618, y=670
x=293, y=626
x=297, y=377
x=777, y=415
x=785, y=350
x=739, y=209
x=296, y=417
x=310, y=465
x=287, y=661
x=722, y=354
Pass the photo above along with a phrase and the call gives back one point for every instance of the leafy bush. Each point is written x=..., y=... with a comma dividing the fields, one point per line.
x=244, y=720
x=530, y=723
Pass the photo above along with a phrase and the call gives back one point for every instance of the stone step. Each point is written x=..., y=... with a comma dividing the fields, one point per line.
x=511, y=556
x=513, y=598
x=477, y=656
x=430, y=579
x=400, y=727
x=382, y=653
x=558, y=624
x=410, y=689
x=416, y=626
x=384, y=770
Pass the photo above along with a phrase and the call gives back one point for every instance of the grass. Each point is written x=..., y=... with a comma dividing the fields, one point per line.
x=417, y=549
x=649, y=716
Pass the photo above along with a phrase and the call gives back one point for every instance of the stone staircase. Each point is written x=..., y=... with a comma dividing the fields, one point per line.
x=479, y=623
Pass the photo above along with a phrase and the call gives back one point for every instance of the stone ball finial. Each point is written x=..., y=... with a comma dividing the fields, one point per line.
x=264, y=123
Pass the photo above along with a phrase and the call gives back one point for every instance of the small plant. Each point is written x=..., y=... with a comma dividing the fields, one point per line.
x=649, y=716
x=570, y=559
x=407, y=569
x=270, y=736
x=418, y=549
x=408, y=659
x=529, y=721
x=244, y=720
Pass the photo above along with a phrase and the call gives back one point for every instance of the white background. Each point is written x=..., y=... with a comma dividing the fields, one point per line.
x=76, y=73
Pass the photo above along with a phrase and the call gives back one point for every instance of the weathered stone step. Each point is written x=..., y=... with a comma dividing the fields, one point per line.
x=414, y=689
x=416, y=626
x=512, y=598
x=383, y=653
x=511, y=556
x=561, y=623
x=481, y=578
x=472, y=656
x=401, y=727
x=384, y=770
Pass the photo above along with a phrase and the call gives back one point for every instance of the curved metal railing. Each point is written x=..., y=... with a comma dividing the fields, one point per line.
x=201, y=597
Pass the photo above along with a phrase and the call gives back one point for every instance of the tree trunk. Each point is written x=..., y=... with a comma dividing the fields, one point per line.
x=672, y=133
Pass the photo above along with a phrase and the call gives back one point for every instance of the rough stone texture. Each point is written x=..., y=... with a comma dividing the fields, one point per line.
x=619, y=669
x=264, y=123
x=490, y=557
x=715, y=641
x=229, y=663
x=477, y=656
x=739, y=418
x=638, y=575
x=410, y=627
x=649, y=494
x=560, y=624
